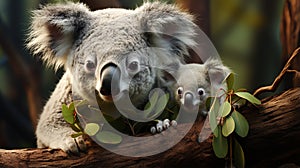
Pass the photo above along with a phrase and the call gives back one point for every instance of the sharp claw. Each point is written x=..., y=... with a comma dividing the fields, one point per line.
x=159, y=128
x=173, y=123
x=153, y=130
x=166, y=123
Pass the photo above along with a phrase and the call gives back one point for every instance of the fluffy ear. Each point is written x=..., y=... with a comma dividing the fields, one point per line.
x=166, y=26
x=166, y=77
x=216, y=71
x=54, y=30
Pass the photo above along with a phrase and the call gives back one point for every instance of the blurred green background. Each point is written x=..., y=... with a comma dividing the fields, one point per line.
x=245, y=33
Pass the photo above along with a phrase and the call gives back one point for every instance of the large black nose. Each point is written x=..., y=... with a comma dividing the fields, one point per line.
x=110, y=77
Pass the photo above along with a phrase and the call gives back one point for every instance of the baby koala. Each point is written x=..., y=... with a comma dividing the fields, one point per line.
x=191, y=84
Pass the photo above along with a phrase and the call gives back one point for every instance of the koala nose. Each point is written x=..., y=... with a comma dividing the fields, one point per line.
x=110, y=77
x=188, y=99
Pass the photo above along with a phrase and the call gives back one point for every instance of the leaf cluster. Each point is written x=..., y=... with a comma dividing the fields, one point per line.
x=227, y=123
x=92, y=129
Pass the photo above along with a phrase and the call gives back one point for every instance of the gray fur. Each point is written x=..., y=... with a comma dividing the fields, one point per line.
x=70, y=35
x=189, y=78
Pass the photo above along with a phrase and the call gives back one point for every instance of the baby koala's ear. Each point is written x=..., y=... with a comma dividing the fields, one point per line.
x=54, y=30
x=167, y=76
x=216, y=71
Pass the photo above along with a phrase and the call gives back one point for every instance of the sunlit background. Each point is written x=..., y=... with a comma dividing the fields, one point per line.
x=245, y=33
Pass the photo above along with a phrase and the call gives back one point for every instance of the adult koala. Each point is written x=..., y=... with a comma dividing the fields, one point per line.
x=95, y=48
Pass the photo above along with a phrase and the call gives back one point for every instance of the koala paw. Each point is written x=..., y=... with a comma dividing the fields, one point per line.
x=162, y=125
x=70, y=145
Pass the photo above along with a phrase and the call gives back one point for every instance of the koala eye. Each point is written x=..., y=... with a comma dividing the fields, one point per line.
x=90, y=66
x=180, y=91
x=133, y=66
x=201, y=92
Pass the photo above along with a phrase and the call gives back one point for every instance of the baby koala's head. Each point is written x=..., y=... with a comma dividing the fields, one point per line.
x=192, y=84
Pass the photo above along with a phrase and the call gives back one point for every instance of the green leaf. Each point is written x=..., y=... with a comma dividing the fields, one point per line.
x=91, y=128
x=154, y=97
x=152, y=101
x=68, y=113
x=237, y=100
x=249, y=97
x=220, y=145
x=159, y=106
x=108, y=137
x=162, y=102
x=238, y=155
x=208, y=103
x=241, y=124
x=77, y=134
x=225, y=109
x=228, y=126
x=230, y=81
x=213, y=114
x=75, y=127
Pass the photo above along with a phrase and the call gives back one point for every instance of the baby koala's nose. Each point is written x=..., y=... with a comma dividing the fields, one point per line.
x=110, y=77
x=188, y=99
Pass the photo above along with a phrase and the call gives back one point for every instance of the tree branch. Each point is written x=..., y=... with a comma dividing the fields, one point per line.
x=273, y=140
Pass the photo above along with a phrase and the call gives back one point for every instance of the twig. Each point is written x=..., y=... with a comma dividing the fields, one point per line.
x=279, y=78
x=297, y=73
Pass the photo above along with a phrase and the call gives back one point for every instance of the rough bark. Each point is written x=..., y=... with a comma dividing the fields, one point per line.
x=273, y=140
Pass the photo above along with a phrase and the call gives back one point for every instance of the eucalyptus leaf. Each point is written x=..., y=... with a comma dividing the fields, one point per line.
x=159, y=106
x=238, y=154
x=75, y=128
x=213, y=114
x=230, y=81
x=91, y=128
x=249, y=97
x=68, y=113
x=162, y=102
x=108, y=137
x=152, y=101
x=208, y=103
x=76, y=124
x=149, y=107
x=228, y=126
x=77, y=134
x=237, y=100
x=220, y=145
x=225, y=109
x=154, y=97
x=241, y=124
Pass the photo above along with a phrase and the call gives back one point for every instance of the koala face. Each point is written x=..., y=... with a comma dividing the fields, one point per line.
x=192, y=93
x=194, y=83
x=110, y=51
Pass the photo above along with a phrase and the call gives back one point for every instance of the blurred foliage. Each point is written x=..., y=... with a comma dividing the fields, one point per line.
x=245, y=33
x=247, y=37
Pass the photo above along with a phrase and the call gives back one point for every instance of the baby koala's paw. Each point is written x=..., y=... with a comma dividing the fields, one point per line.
x=162, y=125
x=69, y=145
